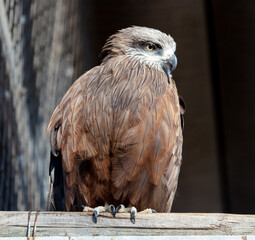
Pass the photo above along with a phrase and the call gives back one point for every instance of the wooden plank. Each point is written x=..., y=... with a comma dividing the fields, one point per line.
x=140, y=238
x=75, y=224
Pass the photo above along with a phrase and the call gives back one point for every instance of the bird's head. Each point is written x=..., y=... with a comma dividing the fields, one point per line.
x=146, y=45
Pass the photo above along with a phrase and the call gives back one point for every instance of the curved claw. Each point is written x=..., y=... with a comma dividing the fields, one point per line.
x=132, y=217
x=94, y=216
x=96, y=211
x=153, y=211
x=116, y=210
x=112, y=210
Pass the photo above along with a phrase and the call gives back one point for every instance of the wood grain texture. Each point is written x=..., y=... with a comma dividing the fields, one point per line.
x=14, y=224
x=140, y=238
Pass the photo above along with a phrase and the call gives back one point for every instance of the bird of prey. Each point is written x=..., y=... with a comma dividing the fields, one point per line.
x=116, y=136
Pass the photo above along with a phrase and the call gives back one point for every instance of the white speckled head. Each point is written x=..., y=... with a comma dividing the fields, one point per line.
x=148, y=45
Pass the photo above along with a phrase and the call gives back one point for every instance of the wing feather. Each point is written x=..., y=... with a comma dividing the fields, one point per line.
x=78, y=119
x=119, y=132
x=145, y=147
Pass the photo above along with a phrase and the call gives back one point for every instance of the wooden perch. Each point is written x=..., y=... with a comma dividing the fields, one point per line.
x=71, y=225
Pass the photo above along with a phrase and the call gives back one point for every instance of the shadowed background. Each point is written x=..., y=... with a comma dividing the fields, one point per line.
x=46, y=45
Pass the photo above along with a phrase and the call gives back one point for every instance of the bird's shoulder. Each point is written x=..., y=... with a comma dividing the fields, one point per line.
x=81, y=93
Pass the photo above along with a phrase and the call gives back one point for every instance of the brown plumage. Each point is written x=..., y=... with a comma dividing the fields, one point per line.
x=118, y=131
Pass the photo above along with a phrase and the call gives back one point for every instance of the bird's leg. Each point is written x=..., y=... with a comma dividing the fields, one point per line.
x=99, y=209
x=132, y=210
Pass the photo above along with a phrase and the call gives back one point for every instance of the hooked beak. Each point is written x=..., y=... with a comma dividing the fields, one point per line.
x=170, y=64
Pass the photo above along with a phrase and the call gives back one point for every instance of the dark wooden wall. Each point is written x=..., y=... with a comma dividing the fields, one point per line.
x=215, y=50
x=233, y=26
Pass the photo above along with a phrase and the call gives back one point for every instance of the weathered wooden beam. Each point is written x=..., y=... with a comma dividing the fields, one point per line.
x=79, y=224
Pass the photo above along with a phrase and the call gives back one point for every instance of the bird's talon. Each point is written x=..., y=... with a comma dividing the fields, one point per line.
x=132, y=217
x=94, y=216
x=112, y=210
x=153, y=211
x=116, y=210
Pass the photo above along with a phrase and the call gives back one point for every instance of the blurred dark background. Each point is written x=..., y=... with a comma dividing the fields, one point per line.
x=46, y=45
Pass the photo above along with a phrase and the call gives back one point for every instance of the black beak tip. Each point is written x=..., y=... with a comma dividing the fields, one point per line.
x=172, y=61
x=170, y=65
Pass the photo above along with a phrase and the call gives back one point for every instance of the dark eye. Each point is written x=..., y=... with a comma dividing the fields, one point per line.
x=150, y=46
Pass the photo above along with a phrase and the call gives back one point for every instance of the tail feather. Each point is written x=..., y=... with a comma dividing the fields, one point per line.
x=56, y=197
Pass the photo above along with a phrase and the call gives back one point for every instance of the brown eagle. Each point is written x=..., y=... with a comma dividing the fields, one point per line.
x=116, y=136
